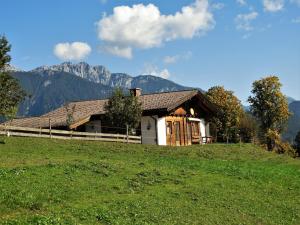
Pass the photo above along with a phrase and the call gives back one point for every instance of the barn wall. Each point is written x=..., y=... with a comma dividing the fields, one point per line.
x=207, y=128
x=161, y=131
x=93, y=126
x=148, y=127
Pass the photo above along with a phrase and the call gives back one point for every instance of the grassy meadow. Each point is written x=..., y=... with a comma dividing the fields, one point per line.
x=45, y=181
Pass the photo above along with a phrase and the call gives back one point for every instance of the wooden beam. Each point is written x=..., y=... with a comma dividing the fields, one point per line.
x=80, y=122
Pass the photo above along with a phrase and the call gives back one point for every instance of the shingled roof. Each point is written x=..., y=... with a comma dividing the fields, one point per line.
x=83, y=110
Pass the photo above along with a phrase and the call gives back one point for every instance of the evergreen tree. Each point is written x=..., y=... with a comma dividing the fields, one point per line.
x=11, y=93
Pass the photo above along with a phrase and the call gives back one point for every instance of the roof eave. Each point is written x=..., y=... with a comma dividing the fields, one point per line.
x=181, y=101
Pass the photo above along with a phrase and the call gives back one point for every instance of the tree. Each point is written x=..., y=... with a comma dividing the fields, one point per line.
x=123, y=110
x=226, y=122
x=270, y=107
x=248, y=128
x=11, y=93
x=297, y=143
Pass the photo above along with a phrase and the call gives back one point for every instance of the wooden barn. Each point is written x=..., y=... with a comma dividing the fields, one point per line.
x=170, y=118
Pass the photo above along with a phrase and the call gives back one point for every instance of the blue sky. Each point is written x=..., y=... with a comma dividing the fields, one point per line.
x=192, y=42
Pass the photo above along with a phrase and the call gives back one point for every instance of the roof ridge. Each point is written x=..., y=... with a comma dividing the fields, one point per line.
x=164, y=92
x=156, y=93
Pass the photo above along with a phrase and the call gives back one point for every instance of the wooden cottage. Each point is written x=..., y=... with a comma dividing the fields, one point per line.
x=170, y=118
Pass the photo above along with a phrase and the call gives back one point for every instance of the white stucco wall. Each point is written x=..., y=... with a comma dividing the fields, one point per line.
x=148, y=128
x=161, y=131
x=202, y=127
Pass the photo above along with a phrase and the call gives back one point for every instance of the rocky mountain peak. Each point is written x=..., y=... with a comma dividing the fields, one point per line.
x=96, y=74
x=100, y=75
x=11, y=68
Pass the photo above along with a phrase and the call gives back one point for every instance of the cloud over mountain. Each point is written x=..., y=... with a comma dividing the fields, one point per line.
x=150, y=69
x=72, y=51
x=143, y=26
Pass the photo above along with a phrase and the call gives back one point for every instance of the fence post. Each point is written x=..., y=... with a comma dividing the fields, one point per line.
x=127, y=132
x=50, y=133
x=6, y=130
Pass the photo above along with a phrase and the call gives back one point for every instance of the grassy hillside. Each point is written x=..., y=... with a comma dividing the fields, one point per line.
x=68, y=182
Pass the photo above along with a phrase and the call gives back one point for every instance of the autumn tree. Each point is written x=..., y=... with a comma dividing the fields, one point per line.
x=11, y=93
x=248, y=128
x=270, y=107
x=123, y=111
x=227, y=120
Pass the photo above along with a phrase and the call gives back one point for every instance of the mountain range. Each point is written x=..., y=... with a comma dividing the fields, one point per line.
x=293, y=126
x=49, y=87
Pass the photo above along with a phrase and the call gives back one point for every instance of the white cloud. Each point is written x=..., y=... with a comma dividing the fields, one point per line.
x=143, y=26
x=243, y=21
x=175, y=58
x=273, y=5
x=153, y=70
x=165, y=74
x=72, y=51
x=241, y=2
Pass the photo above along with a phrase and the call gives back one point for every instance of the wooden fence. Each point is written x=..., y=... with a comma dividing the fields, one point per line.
x=63, y=134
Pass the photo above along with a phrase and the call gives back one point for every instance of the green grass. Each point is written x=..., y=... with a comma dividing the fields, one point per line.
x=46, y=181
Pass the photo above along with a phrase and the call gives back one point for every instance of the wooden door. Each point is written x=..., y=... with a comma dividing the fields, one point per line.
x=195, y=133
x=177, y=133
x=169, y=133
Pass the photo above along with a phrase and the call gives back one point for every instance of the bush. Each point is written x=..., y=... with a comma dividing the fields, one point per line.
x=275, y=143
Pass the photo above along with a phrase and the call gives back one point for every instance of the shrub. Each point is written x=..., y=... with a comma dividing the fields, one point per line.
x=274, y=141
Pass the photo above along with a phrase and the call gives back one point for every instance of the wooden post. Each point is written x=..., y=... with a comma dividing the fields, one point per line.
x=50, y=128
x=127, y=132
x=5, y=129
